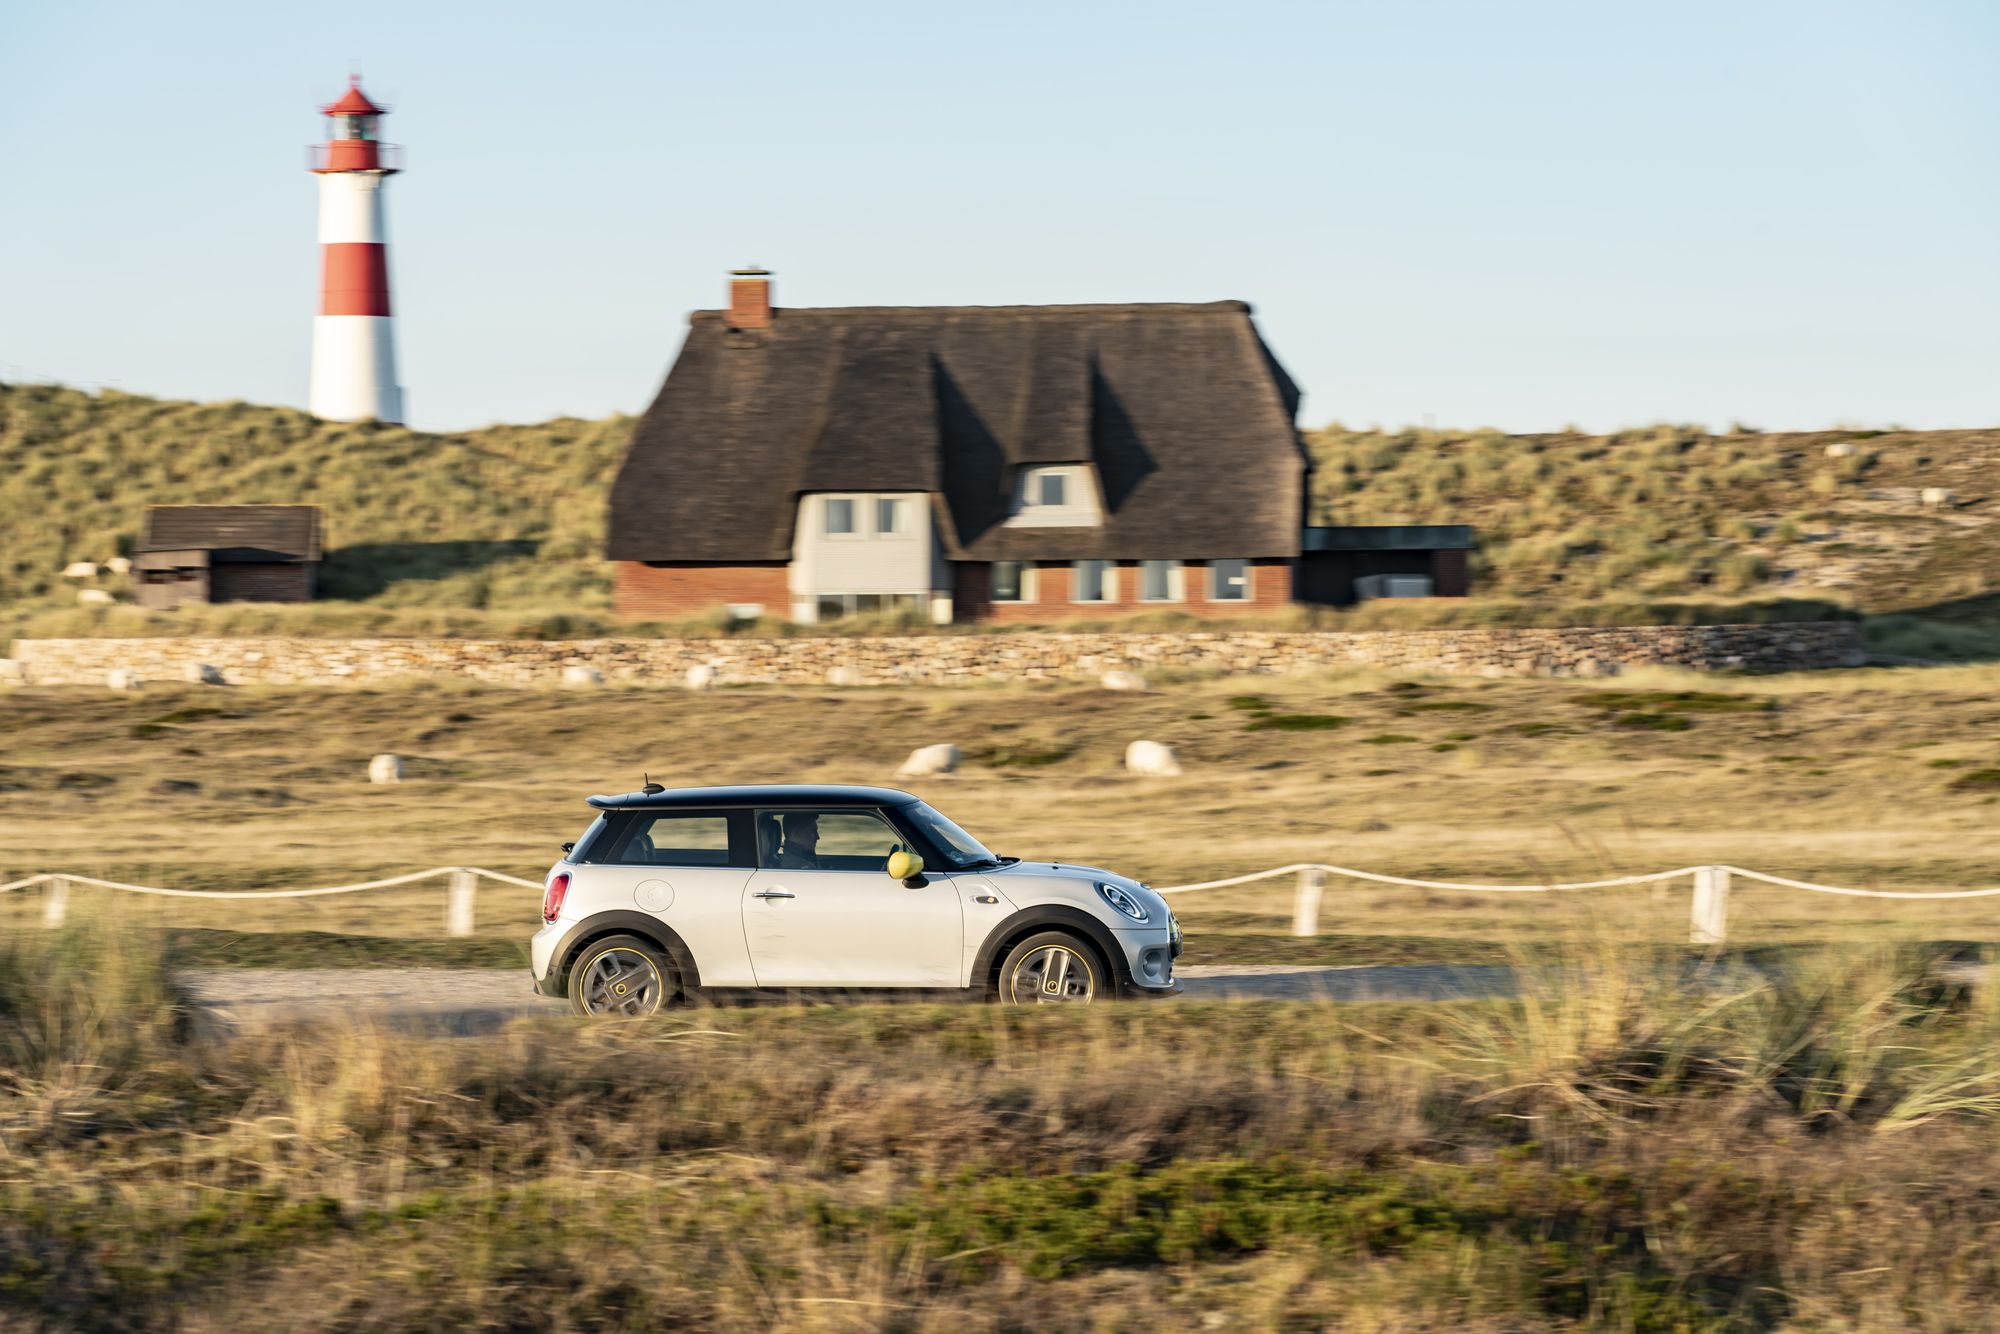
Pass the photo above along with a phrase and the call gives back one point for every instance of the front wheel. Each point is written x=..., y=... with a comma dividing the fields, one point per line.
x=621, y=976
x=1052, y=968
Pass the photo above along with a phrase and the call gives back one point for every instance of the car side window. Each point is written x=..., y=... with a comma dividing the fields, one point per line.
x=813, y=840
x=674, y=838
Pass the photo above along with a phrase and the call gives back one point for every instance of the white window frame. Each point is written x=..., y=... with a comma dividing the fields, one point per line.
x=1038, y=478
x=1249, y=583
x=1027, y=584
x=902, y=510
x=858, y=507
x=1176, y=581
x=1110, y=599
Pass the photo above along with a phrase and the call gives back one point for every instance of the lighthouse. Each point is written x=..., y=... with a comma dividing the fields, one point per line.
x=354, y=342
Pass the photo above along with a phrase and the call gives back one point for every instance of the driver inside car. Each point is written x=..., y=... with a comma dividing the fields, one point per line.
x=799, y=852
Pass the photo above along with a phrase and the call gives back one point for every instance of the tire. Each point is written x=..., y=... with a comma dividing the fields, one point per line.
x=1053, y=959
x=622, y=977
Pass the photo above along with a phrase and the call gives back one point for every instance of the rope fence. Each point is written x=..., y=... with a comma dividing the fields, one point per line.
x=1708, y=915
x=1708, y=921
x=458, y=910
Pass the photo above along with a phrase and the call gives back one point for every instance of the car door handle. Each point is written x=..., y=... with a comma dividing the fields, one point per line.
x=774, y=894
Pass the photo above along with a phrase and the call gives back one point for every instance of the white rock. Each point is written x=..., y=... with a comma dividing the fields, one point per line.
x=1152, y=759
x=701, y=676
x=12, y=672
x=1937, y=497
x=202, y=674
x=926, y=761
x=385, y=769
x=1119, y=678
x=123, y=678
x=118, y=565
x=579, y=675
x=80, y=569
x=94, y=597
x=1840, y=449
x=843, y=675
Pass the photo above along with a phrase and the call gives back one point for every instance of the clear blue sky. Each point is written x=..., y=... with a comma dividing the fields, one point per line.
x=1519, y=214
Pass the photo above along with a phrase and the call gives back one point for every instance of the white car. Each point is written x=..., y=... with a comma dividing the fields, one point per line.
x=672, y=895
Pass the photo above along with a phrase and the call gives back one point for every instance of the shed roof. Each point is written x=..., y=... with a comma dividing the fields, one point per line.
x=1181, y=410
x=277, y=533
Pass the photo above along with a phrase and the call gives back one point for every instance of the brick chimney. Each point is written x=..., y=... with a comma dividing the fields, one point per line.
x=750, y=298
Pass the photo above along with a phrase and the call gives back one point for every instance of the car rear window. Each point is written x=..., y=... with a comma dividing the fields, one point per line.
x=676, y=838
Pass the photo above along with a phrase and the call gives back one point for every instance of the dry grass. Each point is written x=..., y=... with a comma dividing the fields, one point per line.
x=1637, y=1148
x=1848, y=777
x=1674, y=510
x=500, y=531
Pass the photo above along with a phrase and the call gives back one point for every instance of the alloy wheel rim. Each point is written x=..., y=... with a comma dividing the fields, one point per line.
x=1053, y=975
x=622, y=981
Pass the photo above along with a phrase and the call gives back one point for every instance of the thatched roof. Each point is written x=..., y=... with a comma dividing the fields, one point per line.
x=235, y=532
x=1182, y=409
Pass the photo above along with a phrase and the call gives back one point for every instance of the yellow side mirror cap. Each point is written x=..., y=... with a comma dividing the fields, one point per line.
x=905, y=865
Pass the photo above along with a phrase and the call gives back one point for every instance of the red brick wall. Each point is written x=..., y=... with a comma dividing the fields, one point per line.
x=1270, y=588
x=666, y=592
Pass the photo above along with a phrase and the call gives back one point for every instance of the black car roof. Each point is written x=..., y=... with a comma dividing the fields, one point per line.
x=767, y=794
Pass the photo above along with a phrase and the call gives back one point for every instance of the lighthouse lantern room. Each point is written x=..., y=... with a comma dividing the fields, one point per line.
x=354, y=347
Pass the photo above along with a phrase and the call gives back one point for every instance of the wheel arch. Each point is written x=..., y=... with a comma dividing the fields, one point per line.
x=1045, y=917
x=621, y=922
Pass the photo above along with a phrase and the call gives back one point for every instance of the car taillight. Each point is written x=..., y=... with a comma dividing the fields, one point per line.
x=552, y=897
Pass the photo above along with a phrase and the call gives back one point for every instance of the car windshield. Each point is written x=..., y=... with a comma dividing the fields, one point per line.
x=959, y=847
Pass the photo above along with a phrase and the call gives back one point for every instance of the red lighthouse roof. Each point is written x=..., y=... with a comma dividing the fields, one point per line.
x=353, y=102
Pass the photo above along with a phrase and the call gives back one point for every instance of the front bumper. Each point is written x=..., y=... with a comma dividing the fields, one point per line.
x=1148, y=966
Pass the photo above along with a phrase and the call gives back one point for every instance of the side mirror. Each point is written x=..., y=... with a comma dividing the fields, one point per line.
x=904, y=865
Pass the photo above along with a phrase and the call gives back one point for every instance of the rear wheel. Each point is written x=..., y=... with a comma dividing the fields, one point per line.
x=1052, y=968
x=621, y=976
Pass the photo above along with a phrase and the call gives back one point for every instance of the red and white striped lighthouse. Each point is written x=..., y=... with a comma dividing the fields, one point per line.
x=354, y=342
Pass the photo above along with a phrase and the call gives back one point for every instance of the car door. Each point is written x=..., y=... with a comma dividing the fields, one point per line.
x=687, y=868
x=828, y=915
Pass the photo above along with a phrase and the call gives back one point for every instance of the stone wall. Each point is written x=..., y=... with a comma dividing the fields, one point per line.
x=1040, y=656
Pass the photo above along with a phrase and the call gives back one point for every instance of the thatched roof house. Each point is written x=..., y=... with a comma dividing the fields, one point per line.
x=970, y=461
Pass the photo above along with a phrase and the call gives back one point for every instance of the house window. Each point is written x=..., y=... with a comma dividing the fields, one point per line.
x=1159, y=581
x=889, y=517
x=1093, y=581
x=1010, y=579
x=833, y=606
x=1229, y=581
x=1051, y=490
x=840, y=516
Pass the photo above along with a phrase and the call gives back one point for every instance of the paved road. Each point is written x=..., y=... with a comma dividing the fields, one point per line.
x=466, y=1000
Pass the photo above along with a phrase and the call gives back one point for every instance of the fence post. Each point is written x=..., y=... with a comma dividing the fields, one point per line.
x=55, y=901
x=1305, y=910
x=1708, y=922
x=458, y=902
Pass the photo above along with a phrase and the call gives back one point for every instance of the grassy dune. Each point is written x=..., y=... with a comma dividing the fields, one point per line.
x=500, y=530
x=1629, y=1148
x=1886, y=778
x=507, y=516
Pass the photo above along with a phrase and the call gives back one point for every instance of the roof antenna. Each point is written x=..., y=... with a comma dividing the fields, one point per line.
x=649, y=787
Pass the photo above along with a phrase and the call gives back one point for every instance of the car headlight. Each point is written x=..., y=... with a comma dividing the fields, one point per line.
x=1123, y=902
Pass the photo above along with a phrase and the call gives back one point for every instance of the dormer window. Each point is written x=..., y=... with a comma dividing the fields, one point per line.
x=1061, y=495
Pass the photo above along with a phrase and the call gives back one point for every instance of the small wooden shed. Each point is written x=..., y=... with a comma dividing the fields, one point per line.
x=228, y=553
